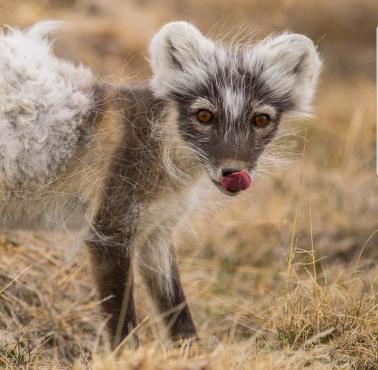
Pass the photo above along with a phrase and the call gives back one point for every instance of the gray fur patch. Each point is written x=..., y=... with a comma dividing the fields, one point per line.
x=44, y=108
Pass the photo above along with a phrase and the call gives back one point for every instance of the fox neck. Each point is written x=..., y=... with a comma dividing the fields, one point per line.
x=151, y=126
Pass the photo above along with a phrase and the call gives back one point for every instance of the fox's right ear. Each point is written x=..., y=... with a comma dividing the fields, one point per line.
x=177, y=53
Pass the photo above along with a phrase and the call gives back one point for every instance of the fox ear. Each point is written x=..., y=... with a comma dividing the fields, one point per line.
x=291, y=66
x=177, y=53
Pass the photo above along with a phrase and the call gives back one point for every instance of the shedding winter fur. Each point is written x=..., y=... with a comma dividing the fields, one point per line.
x=125, y=163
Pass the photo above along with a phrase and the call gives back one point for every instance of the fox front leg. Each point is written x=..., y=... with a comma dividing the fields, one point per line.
x=158, y=267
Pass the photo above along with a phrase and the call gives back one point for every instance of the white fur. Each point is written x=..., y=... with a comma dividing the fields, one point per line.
x=186, y=44
x=233, y=101
x=291, y=65
x=42, y=104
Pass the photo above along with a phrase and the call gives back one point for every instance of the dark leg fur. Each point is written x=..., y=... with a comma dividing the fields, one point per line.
x=111, y=259
x=168, y=295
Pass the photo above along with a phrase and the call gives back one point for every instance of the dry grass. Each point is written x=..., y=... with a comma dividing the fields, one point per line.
x=287, y=277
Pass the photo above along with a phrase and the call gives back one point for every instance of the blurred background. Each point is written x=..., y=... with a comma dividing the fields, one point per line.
x=295, y=257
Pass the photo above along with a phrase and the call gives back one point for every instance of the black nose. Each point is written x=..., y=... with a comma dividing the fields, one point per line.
x=228, y=171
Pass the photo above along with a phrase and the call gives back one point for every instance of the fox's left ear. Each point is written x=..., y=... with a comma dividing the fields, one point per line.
x=290, y=66
x=177, y=54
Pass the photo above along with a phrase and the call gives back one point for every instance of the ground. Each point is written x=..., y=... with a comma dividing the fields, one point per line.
x=285, y=277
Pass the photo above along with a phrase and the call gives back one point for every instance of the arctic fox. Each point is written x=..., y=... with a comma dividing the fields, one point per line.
x=124, y=162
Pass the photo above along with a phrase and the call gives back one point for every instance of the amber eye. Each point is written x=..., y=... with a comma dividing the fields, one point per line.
x=204, y=116
x=261, y=120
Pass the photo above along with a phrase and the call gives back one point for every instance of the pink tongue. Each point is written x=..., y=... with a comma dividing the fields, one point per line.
x=236, y=181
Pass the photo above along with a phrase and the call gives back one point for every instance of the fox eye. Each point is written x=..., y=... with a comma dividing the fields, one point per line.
x=261, y=120
x=204, y=116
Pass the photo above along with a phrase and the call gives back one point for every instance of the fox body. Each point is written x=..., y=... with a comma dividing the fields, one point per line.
x=125, y=163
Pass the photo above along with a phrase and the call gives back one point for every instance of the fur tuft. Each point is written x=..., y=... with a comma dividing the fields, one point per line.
x=43, y=105
x=43, y=29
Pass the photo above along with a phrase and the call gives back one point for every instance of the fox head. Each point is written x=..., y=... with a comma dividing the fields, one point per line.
x=230, y=101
